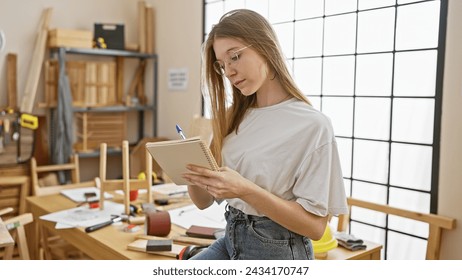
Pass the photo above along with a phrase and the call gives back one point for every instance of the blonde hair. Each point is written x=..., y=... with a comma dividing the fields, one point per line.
x=252, y=29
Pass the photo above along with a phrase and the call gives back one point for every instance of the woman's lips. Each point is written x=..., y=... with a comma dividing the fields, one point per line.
x=237, y=83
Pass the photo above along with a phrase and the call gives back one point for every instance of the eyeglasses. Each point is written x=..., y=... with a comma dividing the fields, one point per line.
x=233, y=60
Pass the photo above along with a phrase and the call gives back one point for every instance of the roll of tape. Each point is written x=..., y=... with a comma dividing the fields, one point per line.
x=158, y=223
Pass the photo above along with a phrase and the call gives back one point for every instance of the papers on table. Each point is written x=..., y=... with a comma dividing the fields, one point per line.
x=171, y=190
x=83, y=216
x=78, y=195
x=191, y=215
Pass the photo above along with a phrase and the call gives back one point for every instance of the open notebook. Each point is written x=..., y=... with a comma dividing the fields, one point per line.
x=173, y=156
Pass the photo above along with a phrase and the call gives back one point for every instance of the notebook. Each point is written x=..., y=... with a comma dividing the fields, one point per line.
x=173, y=156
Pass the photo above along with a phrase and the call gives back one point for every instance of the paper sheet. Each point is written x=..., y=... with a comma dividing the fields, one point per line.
x=170, y=189
x=84, y=216
x=191, y=215
x=78, y=195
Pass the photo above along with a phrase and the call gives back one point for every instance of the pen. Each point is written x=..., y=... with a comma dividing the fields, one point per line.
x=180, y=131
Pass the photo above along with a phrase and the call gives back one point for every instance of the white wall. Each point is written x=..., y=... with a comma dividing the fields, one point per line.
x=450, y=185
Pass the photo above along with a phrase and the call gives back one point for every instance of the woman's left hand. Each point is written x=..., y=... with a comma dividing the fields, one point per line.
x=223, y=184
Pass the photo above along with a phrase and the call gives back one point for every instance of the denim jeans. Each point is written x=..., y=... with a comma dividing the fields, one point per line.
x=250, y=237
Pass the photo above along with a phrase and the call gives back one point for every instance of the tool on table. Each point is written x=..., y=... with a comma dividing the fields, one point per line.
x=114, y=219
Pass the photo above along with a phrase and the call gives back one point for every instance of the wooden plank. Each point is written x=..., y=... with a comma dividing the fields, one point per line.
x=12, y=82
x=28, y=98
x=150, y=29
x=142, y=25
x=120, y=79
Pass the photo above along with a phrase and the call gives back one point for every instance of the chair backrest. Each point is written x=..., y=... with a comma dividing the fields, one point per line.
x=126, y=183
x=48, y=184
x=436, y=222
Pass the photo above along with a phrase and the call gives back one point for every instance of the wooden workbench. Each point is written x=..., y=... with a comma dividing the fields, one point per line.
x=110, y=242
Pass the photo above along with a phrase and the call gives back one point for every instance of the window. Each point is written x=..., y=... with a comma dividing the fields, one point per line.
x=375, y=68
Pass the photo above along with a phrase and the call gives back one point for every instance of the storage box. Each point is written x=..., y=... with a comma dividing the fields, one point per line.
x=70, y=38
x=93, y=83
x=96, y=128
x=113, y=35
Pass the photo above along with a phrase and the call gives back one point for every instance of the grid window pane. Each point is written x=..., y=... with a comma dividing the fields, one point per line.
x=309, y=8
x=376, y=30
x=404, y=247
x=281, y=11
x=338, y=75
x=373, y=193
x=340, y=6
x=415, y=73
x=344, y=150
x=340, y=34
x=371, y=67
x=407, y=1
x=259, y=6
x=340, y=111
x=372, y=118
x=370, y=161
x=213, y=12
x=369, y=4
x=347, y=183
x=235, y=4
x=417, y=26
x=370, y=233
x=307, y=74
x=411, y=166
x=413, y=201
x=374, y=74
x=285, y=33
x=308, y=37
x=370, y=192
x=315, y=102
x=413, y=120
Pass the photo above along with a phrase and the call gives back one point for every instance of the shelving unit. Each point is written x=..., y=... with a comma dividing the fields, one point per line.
x=61, y=54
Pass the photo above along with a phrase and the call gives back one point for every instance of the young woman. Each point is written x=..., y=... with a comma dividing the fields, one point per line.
x=281, y=176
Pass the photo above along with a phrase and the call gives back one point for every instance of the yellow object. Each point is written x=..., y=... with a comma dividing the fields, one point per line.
x=29, y=121
x=325, y=244
x=142, y=176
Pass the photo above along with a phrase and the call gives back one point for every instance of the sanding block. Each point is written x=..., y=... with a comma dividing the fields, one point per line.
x=156, y=245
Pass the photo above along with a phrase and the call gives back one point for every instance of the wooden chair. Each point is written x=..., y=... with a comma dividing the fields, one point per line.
x=12, y=230
x=46, y=185
x=45, y=182
x=126, y=183
x=436, y=222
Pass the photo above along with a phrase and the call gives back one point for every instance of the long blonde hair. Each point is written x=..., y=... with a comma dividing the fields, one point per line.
x=252, y=29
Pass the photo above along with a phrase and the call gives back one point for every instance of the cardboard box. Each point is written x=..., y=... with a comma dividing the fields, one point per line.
x=70, y=38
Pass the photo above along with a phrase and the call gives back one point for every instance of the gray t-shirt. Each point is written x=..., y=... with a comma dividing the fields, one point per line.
x=288, y=149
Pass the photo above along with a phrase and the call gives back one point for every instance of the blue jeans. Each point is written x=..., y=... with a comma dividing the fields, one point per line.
x=250, y=237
